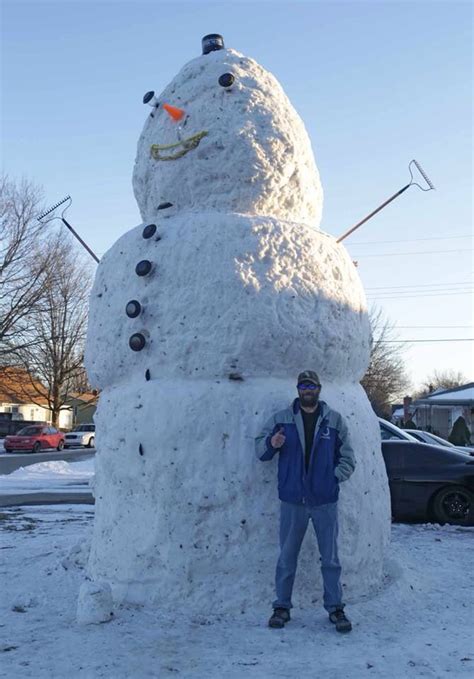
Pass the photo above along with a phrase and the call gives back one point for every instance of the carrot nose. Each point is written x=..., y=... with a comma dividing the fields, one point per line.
x=174, y=112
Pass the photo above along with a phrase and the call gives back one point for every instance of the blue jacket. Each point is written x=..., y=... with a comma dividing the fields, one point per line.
x=332, y=458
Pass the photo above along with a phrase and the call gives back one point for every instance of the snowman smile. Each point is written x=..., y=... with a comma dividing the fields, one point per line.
x=183, y=146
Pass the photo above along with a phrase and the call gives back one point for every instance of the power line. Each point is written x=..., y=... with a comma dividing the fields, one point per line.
x=415, y=285
x=407, y=294
x=410, y=240
x=428, y=294
x=422, y=252
x=433, y=326
x=425, y=291
x=468, y=339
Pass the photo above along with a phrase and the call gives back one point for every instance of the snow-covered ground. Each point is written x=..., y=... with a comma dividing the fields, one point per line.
x=51, y=476
x=419, y=624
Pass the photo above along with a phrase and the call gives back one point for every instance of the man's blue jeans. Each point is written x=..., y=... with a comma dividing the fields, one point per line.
x=294, y=519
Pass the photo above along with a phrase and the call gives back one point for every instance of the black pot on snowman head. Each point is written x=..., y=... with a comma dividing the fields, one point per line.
x=212, y=43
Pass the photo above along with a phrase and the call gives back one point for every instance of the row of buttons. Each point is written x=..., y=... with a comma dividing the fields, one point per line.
x=133, y=308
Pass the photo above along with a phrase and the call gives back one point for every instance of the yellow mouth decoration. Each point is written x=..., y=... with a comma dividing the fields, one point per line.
x=184, y=146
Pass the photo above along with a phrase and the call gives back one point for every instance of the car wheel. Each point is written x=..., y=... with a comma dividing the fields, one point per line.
x=454, y=504
x=37, y=447
x=60, y=445
x=91, y=442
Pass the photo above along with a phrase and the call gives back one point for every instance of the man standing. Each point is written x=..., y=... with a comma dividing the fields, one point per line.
x=315, y=455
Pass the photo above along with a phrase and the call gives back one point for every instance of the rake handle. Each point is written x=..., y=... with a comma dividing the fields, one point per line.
x=80, y=239
x=389, y=200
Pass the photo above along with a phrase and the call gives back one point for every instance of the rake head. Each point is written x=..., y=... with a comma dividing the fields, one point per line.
x=53, y=208
x=428, y=181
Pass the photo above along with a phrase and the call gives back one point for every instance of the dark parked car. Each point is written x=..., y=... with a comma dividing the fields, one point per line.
x=428, y=437
x=33, y=439
x=427, y=482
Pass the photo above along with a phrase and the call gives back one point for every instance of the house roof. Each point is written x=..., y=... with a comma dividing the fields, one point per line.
x=17, y=387
x=463, y=395
x=86, y=397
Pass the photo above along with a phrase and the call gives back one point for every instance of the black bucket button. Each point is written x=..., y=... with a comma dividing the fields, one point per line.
x=143, y=268
x=133, y=308
x=149, y=231
x=137, y=342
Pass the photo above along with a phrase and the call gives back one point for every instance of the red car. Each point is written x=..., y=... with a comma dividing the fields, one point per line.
x=34, y=438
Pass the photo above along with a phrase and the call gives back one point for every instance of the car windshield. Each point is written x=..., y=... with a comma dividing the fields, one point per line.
x=29, y=431
x=440, y=441
x=389, y=431
x=429, y=437
x=83, y=427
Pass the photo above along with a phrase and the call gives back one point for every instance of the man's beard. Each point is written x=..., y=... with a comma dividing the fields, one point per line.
x=309, y=400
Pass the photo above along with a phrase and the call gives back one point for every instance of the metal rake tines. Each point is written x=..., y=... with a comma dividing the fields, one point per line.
x=53, y=208
x=423, y=174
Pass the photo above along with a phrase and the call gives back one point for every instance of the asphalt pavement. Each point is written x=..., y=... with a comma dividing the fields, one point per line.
x=58, y=498
x=11, y=461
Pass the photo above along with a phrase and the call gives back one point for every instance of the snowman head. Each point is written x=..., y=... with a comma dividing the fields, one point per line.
x=223, y=137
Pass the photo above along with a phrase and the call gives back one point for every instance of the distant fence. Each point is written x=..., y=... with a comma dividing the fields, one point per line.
x=9, y=426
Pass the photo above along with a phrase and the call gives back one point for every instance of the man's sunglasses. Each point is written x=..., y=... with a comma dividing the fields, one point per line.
x=304, y=386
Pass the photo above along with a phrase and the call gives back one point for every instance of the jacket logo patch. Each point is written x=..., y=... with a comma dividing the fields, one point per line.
x=326, y=433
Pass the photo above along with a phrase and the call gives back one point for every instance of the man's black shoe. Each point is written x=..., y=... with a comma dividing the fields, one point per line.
x=279, y=618
x=339, y=619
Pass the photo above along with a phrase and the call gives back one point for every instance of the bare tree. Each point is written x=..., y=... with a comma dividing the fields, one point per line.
x=80, y=382
x=20, y=271
x=53, y=355
x=386, y=379
x=441, y=379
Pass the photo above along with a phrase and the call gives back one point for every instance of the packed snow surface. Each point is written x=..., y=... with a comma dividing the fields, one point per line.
x=184, y=510
x=417, y=624
x=241, y=293
x=228, y=294
x=256, y=157
x=51, y=475
x=53, y=469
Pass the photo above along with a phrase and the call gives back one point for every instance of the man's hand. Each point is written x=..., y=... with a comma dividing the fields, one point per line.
x=278, y=439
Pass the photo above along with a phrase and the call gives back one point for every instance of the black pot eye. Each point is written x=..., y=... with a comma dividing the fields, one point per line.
x=226, y=80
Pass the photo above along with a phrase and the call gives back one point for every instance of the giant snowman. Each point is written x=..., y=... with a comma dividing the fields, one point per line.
x=200, y=320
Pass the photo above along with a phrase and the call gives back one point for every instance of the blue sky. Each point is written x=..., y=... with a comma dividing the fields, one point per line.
x=376, y=83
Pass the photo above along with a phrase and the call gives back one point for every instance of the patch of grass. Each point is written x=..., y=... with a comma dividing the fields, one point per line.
x=16, y=521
